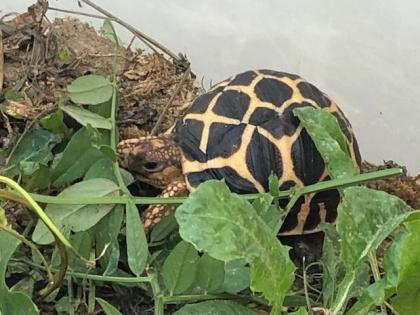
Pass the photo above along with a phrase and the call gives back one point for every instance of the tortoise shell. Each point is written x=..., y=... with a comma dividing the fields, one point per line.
x=244, y=129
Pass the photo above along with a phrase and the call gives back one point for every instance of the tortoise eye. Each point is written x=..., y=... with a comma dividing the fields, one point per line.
x=152, y=166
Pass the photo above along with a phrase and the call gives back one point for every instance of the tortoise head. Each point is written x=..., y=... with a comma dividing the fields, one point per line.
x=154, y=160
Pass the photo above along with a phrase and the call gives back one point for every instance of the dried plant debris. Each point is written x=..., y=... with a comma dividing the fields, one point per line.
x=41, y=58
x=405, y=186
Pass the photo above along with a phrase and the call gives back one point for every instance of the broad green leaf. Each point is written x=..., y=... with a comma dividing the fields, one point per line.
x=108, y=308
x=410, y=255
x=104, y=168
x=365, y=218
x=82, y=241
x=330, y=262
x=90, y=89
x=77, y=217
x=25, y=285
x=165, y=227
x=408, y=288
x=64, y=306
x=137, y=250
x=267, y=210
x=54, y=122
x=106, y=233
x=237, y=276
x=227, y=227
x=219, y=307
x=407, y=300
x=373, y=295
x=103, y=109
x=108, y=31
x=86, y=117
x=80, y=154
x=179, y=268
x=35, y=147
x=329, y=140
x=12, y=302
x=210, y=274
x=39, y=178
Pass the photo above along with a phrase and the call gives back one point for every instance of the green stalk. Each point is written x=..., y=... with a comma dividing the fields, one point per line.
x=81, y=275
x=296, y=193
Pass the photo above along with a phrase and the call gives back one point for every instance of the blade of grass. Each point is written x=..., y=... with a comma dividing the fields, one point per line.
x=296, y=193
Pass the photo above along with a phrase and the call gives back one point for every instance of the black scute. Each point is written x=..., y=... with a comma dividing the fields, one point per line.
x=263, y=158
x=311, y=91
x=235, y=182
x=188, y=136
x=244, y=78
x=224, y=139
x=232, y=104
x=279, y=74
x=201, y=103
x=308, y=163
x=290, y=117
x=273, y=91
x=331, y=199
x=292, y=217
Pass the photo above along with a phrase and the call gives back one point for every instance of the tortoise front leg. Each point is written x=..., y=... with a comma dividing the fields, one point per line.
x=154, y=213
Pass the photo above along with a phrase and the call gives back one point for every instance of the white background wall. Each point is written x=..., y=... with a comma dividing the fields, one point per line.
x=364, y=54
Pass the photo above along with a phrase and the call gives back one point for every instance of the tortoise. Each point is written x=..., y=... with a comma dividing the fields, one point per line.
x=242, y=130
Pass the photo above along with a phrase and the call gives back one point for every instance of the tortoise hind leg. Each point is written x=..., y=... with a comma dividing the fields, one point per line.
x=154, y=213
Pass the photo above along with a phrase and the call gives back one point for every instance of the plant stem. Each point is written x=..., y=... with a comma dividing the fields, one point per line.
x=157, y=294
x=331, y=184
x=375, y=271
x=81, y=275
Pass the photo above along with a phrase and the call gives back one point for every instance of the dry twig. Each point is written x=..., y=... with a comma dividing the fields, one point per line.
x=170, y=101
x=1, y=61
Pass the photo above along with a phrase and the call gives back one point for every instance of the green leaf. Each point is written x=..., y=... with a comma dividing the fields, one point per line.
x=104, y=168
x=210, y=274
x=227, y=227
x=103, y=109
x=165, y=227
x=137, y=250
x=80, y=154
x=219, y=307
x=12, y=302
x=237, y=276
x=90, y=89
x=330, y=262
x=35, y=147
x=54, y=122
x=179, y=268
x=107, y=308
x=373, y=295
x=106, y=233
x=407, y=300
x=85, y=117
x=39, y=179
x=329, y=140
x=267, y=210
x=65, y=307
x=365, y=218
x=108, y=31
x=82, y=241
x=408, y=289
x=77, y=217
